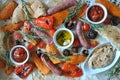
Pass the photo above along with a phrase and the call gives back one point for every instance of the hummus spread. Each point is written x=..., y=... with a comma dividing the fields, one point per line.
x=101, y=57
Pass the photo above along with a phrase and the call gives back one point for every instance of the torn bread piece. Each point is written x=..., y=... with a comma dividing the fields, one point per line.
x=35, y=8
x=111, y=34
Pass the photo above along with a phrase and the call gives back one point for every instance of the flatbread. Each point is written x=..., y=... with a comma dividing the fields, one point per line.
x=35, y=8
x=111, y=34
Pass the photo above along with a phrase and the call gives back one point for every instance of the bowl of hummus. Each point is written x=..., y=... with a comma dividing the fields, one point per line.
x=101, y=59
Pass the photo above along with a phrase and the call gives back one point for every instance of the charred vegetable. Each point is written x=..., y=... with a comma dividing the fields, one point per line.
x=24, y=70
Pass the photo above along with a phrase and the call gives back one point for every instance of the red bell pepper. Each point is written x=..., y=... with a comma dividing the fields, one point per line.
x=45, y=22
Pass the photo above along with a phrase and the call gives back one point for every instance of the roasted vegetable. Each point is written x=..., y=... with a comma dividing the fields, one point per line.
x=7, y=11
x=59, y=17
x=12, y=27
x=9, y=69
x=71, y=70
x=2, y=64
x=111, y=7
x=24, y=70
x=54, y=68
x=44, y=22
x=39, y=64
x=51, y=49
x=76, y=59
x=62, y=6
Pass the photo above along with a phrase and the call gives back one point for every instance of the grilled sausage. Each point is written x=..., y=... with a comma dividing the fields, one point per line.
x=50, y=65
x=81, y=35
x=64, y=5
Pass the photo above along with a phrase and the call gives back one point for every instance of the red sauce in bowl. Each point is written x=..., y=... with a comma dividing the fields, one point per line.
x=95, y=13
x=19, y=54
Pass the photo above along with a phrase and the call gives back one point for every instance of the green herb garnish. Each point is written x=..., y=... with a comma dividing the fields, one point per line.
x=61, y=58
x=74, y=12
x=114, y=70
x=28, y=17
x=5, y=55
x=30, y=36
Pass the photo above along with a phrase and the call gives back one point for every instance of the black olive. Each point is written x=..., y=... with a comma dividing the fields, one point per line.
x=38, y=52
x=66, y=52
x=75, y=49
x=17, y=42
x=85, y=52
x=70, y=24
x=91, y=34
x=20, y=42
x=115, y=21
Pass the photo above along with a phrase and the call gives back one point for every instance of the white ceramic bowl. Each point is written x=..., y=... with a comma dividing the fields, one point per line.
x=61, y=46
x=104, y=17
x=88, y=70
x=11, y=55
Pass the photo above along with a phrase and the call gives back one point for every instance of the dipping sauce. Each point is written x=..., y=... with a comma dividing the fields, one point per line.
x=96, y=13
x=63, y=38
x=19, y=54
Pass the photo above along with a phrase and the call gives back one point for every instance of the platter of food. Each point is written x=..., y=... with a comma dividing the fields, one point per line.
x=58, y=39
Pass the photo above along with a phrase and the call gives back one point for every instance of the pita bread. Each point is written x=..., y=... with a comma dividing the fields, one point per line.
x=35, y=8
x=111, y=34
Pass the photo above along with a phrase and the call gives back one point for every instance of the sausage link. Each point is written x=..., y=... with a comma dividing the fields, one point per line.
x=64, y=5
x=50, y=65
x=81, y=35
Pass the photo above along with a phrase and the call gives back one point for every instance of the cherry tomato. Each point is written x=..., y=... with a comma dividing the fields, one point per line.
x=94, y=43
x=86, y=27
x=107, y=21
x=17, y=35
x=52, y=31
x=31, y=47
x=71, y=70
x=76, y=42
x=24, y=70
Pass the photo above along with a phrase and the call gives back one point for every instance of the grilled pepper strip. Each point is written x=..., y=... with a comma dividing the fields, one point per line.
x=44, y=22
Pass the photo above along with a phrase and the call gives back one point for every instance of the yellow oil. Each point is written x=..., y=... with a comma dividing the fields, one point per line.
x=62, y=36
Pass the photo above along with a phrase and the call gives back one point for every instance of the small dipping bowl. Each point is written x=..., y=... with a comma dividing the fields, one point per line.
x=96, y=13
x=63, y=38
x=19, y=55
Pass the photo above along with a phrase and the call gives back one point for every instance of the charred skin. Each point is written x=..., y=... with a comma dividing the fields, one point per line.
x=64, y=5
x=81, y=35
x=50, y=65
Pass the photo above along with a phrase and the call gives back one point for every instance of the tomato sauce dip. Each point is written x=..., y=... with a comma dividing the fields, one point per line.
x=19, y=54
x=95, y=13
